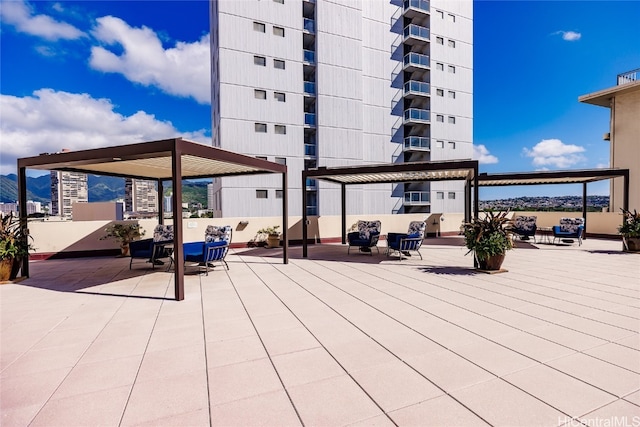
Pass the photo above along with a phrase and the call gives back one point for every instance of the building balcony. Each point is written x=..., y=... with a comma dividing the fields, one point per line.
x=414, y=89
x=416, y=116
x=417, y=143
x=310, y=150
x=310, y=88
x=309, y=56
x=309, y=25
x=413, y=8
x=311, y=183
x=310, y=119
x=416, y=198
x=629, y=77
x=415, y=34
x=416, y=62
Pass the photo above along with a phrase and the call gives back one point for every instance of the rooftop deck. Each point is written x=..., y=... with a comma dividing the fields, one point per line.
x=331, y=340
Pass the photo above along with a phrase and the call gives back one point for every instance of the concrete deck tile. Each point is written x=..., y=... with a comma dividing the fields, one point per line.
x=606, y=376
x=276, y=322
x=632, y=341
x=31, y=389
x=494, y=358
x=502, y=404
x=617, y=355
x=268, y=409
x=522, y=321
x=332, y=402
x=360, y=353
x=165, y=397
x=395, y=385
x=242, y=380
x=633, y=398
x=104, y=407
x=116, y=348
x=34, y=361
x=406, y=343
x=171, y=362
x=19, y=415
x=619, y=413
x=199, y=417
x=567, y=337
x=440, y=411
x=219, y=330
x=238, y=350
x=306, y=366
x=531, y=346
x=379, y=421
x=560, y=390
x=449, y=371
x=291, y=340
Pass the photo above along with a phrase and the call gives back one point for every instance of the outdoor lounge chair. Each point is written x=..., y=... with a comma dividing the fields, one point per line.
x=214, y=248
x=366, y=237
x=405, y=243
x=153, y=249
x=525, y=227
x=569, y=228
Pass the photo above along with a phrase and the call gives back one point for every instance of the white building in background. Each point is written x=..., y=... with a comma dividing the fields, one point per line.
x=337, y=83
x=67, y=188
x=140, y=196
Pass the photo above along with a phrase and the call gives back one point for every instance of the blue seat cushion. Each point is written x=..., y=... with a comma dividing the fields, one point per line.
x=193, y=251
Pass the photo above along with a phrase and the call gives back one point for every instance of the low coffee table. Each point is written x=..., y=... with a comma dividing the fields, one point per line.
x=545, y=234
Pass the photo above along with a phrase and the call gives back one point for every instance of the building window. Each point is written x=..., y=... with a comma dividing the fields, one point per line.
x=260, y=94
x=261, y=157
x=451, y=195
x=278, y=31
x=452, y=17
x=261, y=127
x=279, y=194
x=439, y=66
x=452, y=120
x=439, y=144
x=440, y=14
x=280, y=96
x=440, y=118
x=452, y=69
x=260, y=60
x=262, y=194
x=452, y=94
x=278, y=63
x=440, y=195
x=281, y=160
x=452, y=43
x=440, y=92
x=280, y=129
x=452, y=145
x=259, y=26
x=279, y=1
x=439, y=40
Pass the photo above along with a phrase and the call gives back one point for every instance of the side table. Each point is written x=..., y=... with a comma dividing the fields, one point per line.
x=545, y=234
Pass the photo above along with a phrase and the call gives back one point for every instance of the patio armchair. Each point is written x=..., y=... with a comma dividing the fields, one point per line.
x=405, y=243
x=366, y=237
x=153, y=249
x=214, y=248
x=569, y=228
x=525, y=227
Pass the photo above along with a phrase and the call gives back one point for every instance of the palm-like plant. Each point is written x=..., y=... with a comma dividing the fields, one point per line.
x=14, y=242
x=488, y=235
x=631, y=224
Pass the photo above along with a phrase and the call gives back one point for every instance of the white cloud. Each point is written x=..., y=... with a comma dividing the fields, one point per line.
x=183, y=70
x=603, y=166
x=570, y=36
x=482, y=155
x=21, y=16
x=49, y=121
x=553, y=152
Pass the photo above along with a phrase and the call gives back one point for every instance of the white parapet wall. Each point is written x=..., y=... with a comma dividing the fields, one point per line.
x=51, y=236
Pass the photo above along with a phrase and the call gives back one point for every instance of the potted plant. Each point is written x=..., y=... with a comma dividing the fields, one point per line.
x=272, y=235
x=14, y=246
x=489, y=238
x=630, y=230
x=124, y=233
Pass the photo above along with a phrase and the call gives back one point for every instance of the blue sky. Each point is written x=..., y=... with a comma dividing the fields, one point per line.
x=85, y=74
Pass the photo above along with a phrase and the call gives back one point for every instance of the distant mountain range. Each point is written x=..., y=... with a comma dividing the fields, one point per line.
x=101, y=189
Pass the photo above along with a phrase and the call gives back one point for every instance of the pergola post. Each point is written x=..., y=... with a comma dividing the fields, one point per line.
x=476, y=191
x=22, y=194
x=343, y=201
x=178, y=250
x=584, y=209
x=305, y=221
x=285, y=221
x=160, y=202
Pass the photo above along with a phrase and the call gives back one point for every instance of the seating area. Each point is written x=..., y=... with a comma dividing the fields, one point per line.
x=154, y=249
x=213, y=249
x=366, y=236
x=569, y=229
x=405, y=243
x=525, y=227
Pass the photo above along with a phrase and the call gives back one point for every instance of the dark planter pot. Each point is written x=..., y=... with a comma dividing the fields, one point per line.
x=15, y=268
x=493, y=262
x=6, y=265
x=632, y=244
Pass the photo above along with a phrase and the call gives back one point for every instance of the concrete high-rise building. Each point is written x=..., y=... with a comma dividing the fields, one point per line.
x=140, y=195
x=67, y=188
x=339, y=83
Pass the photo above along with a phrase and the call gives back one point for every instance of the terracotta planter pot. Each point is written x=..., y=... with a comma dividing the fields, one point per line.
x=632, y=244
x=273, y=240
x=6, y=265
x=15, y=268
x=124, y=249
x=493, y=262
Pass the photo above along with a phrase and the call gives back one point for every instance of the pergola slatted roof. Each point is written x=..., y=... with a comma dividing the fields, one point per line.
x=576, y=176
x=165, y=160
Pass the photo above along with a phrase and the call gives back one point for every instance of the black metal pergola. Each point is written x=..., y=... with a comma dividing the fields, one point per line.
x=164, y=160
x=466, y=170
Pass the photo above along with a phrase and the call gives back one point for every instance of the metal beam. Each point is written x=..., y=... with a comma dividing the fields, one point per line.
x=285, y=220
x=343, y=210
x=22, y=201
x=584, y=209
x=178, y=249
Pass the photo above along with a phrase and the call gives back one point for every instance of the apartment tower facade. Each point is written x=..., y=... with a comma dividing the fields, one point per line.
x=140, y=196
x=68, y=188
x=339, y=83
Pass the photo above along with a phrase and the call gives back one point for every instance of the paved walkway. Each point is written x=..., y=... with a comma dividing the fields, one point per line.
x=331, y=340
